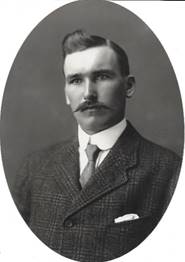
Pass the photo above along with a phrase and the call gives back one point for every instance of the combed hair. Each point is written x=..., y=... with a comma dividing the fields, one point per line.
x=79, y=40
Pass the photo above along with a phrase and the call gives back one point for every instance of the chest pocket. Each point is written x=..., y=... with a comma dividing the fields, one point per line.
x=123, y=236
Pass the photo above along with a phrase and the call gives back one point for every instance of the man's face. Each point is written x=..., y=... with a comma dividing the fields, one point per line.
x=95, y=88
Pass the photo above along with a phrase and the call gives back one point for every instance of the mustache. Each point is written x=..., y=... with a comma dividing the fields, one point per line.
x=87, y=105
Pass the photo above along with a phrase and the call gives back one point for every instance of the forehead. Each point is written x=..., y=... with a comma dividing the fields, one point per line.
x=95, y=58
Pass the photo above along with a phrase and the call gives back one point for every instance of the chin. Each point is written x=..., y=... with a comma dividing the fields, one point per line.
x=92, y=126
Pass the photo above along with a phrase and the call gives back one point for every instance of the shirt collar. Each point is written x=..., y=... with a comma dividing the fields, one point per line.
x=104, y=139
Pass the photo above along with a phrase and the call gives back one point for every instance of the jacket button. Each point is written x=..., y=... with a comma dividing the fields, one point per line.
x=68, y=223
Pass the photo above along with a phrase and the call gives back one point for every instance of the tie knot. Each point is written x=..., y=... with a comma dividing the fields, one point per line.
x=92, y=152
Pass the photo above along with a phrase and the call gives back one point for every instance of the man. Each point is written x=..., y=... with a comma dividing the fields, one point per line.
x=97, y=197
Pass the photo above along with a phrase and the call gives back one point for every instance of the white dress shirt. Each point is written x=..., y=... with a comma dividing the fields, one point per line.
x=105, y=140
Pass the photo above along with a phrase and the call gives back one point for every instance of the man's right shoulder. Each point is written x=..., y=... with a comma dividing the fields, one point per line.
x=37, y=159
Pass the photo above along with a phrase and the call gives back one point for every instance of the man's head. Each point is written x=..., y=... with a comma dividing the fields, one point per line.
x=97, y=80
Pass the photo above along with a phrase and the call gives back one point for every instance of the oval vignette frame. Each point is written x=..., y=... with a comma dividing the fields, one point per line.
x=37, y=144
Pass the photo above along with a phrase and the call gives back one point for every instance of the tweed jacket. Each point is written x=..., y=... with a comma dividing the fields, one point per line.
x=137, y=176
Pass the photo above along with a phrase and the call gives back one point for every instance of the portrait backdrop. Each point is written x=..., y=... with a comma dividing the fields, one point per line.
x=34, y=113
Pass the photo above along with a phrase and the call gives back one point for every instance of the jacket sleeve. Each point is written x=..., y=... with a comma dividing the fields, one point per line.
x=174, y=171
x=22, y=190
x=168, y=175
x=25, y=179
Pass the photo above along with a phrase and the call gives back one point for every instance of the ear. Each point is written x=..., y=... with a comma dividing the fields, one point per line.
x=66, y=98
x=130, y=86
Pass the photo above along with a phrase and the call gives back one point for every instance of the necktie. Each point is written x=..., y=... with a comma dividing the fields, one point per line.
x=92, y=152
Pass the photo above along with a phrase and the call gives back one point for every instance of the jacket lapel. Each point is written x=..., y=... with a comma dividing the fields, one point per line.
x=112, y=173
x=66, y=166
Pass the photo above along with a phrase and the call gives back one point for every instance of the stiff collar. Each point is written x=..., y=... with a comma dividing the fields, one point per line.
x=104, y=139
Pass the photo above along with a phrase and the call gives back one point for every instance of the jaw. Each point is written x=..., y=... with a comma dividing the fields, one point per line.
x=94, y=122
x=90, y=123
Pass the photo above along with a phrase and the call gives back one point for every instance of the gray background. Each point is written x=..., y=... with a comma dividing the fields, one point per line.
x=34, y=114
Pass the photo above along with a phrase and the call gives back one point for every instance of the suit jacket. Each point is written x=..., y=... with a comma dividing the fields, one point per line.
x=137, y=176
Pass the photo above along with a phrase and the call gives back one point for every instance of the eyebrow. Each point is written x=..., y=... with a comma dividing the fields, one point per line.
x=69, y=77
x=96, y=72
x=104, y=71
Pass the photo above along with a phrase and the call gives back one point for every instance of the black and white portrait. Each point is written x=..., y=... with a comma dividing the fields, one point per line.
x=92, y=131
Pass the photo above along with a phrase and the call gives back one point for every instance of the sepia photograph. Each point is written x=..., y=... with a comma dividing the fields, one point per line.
x=92, y=131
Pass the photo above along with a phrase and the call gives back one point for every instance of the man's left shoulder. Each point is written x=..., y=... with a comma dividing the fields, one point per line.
x=158, y=154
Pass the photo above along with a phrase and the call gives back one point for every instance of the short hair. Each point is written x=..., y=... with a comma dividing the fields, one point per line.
x=79, y=40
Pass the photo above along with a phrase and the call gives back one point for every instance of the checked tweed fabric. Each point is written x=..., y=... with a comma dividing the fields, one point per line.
x=137, y=176
x=92, y=152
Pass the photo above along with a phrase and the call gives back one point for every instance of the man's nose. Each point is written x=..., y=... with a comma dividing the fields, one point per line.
x=90, y=92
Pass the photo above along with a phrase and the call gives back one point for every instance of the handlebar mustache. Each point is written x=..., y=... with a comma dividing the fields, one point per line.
x=86, y=105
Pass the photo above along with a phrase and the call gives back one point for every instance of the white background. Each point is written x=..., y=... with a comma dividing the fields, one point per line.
x=167, y=21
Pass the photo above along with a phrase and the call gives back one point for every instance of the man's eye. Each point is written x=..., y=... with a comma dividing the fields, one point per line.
x=102, y=77
x=76, y=81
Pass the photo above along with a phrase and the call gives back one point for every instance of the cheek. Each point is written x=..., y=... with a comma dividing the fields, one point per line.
x=112, y=94
x=73, y=95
